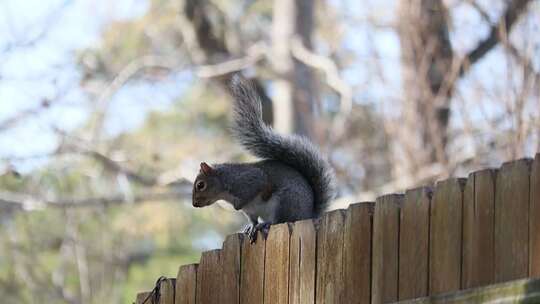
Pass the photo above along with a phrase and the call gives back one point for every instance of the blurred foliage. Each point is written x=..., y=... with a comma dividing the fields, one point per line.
x=125, y=247
x=116, y=251
x=122, y=41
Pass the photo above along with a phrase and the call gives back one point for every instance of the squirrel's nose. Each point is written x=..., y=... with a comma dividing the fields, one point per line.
x=197, y=203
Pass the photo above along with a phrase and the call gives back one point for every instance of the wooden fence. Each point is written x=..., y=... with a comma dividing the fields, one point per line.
x=460, y=234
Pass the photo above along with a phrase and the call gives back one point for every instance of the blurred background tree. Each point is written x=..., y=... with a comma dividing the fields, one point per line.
x=107, y=108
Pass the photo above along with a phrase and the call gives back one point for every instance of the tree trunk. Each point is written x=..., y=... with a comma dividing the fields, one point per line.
x=426, y=62
x=429, y=76
x=295, y=89
x=213, y=48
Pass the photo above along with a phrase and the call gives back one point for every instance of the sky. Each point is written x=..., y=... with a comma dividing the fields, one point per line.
x=31, y=71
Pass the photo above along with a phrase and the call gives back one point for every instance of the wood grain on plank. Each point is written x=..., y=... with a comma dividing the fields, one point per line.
x=252, y=271
x=534, y=218
x=186, y=284
x=357, y=253
x=276, y=269
x=143, y=296
x=230, y=261
x=445, y=236
x=414, y=244
x=209, y=277
x=478, y=229
x=166, y=291
x=329, y=280
x=512, y=221
x=302, y=263
x=385, y=249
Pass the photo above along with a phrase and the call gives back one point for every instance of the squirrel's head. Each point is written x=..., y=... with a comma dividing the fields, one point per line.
x=207, y=187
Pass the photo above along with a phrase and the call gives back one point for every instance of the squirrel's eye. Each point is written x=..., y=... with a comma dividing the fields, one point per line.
x=201, y=185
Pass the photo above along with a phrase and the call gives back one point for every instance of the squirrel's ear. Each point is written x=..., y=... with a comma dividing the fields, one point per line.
x=206, y=169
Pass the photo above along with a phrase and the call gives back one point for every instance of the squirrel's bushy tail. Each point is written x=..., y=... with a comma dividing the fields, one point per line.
x=296, y=151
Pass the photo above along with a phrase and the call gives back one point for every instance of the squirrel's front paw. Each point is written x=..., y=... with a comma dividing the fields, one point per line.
x=262, y=227
x=247, y=228
x=252, y=235
x=251, y=232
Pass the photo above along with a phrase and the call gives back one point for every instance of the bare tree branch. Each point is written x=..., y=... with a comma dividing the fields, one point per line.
x=329, y=68
x=129, y=71
x=526, y=63
x=511, y=15
x=114, y=166
x=254, y=54
x=17, y=201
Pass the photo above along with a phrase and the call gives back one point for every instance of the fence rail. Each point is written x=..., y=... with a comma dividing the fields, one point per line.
x=457, y=235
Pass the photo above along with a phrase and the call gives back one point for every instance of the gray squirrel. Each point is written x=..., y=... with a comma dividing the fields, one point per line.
x=291, y=182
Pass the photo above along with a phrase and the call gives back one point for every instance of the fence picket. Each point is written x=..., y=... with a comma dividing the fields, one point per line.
x=445, y=236
x=186, y=284
x=209, y=277
x=166, y=291
x=142, y=296
x=414, y=244
x=330, y=258
x=252, y=271
x=478, y=229
x=230, y=265
x=276, y=268
x=357, y=253
x=385, y=249
x=534, y=217
x=302, y=263
x=511, y=221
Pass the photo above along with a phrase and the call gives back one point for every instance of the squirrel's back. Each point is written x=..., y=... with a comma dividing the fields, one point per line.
x=294, y=151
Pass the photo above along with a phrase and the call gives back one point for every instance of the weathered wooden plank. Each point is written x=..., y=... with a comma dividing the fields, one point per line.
x=385, y=249
x=252, y=271
x=534, y=218
x=512, y=221
x=478, y=229
x=142, y=297
x=329, y=258
x=186, y=284
x=276, y=269
x=209, y=277
x=414, y=244
x=520, y=291
x=445, y=236
x=230, y=263
x=166, y=291
x=302, y=263
x=357, y=253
